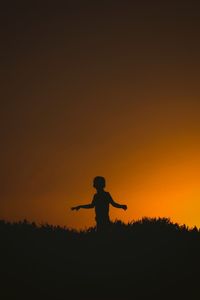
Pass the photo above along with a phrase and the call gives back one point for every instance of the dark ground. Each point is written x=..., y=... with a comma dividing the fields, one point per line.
x=148, y=259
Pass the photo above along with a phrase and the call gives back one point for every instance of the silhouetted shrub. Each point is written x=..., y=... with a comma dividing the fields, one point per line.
x=144, y=259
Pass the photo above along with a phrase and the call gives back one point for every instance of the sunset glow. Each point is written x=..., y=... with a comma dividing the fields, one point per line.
x=118, y=99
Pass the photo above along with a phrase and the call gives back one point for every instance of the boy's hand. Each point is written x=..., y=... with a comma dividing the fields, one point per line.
x=75, y=208
x=124, y=207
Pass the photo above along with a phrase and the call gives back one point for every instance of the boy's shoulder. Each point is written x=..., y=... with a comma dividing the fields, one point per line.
x=107, y=193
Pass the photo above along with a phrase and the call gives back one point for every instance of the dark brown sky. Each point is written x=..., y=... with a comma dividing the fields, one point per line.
x=100, y=88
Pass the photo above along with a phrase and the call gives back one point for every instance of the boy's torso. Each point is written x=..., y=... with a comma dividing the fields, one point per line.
x=101, y=202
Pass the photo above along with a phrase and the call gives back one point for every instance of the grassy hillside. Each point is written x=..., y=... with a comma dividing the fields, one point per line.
x=147, y=259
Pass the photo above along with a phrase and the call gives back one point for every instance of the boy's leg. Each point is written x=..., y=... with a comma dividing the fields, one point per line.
x=102, y=225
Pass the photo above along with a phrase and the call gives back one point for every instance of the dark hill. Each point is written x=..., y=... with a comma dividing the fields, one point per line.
x=147, y=259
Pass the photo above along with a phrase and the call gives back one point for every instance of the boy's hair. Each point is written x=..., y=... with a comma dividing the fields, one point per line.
x=99, y=181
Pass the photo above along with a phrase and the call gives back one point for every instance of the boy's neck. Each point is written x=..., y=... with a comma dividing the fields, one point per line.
x=100, y=190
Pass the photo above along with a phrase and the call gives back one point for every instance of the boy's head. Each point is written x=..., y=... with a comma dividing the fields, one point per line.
x=99, y=183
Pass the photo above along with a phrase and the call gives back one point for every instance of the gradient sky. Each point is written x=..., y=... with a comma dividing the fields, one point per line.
x=107, y=88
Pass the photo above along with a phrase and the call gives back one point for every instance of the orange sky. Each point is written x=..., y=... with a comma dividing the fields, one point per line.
x=100, y=90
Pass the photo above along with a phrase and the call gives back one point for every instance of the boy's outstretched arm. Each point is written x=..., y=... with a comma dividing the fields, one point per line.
x=86, y=206
x=117, y=205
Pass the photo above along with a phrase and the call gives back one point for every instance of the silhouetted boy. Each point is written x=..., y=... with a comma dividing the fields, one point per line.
x=100, y=202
